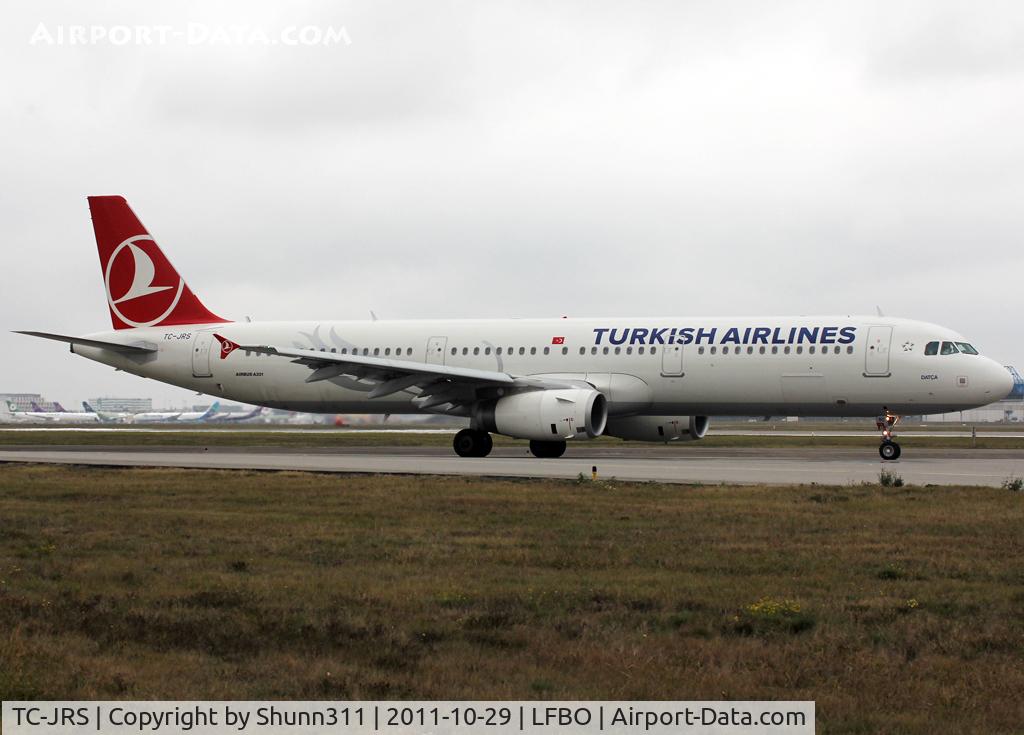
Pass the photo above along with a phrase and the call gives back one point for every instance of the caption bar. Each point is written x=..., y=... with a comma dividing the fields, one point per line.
x=404, y=718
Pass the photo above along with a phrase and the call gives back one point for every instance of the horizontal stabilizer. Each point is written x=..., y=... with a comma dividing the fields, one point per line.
x=141, y=348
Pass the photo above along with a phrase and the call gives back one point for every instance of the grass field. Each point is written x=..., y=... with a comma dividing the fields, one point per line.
x=896, y=609
x=216, y=437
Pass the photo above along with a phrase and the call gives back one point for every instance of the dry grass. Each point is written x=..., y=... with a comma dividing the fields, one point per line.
x=897, y=610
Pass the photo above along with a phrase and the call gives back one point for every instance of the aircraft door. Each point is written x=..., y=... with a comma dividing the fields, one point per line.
x=201, y=355
x=876, y=356
x=672, y=360
x=435, y=350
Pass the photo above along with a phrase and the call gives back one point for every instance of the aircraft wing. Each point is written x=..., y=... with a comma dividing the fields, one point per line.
x=436, y=386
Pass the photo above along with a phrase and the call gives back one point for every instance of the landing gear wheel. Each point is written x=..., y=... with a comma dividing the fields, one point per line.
x=889, y=450
x=886, y=423
x=547, y=450
x=472, y=443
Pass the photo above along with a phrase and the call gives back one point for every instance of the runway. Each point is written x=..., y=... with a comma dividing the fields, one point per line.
x=747, y=466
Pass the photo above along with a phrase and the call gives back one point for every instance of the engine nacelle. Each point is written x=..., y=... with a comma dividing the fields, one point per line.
x=546, y=415
x=658, y=428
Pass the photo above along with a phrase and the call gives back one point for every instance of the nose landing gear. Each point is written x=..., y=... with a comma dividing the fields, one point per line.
x=886, y=423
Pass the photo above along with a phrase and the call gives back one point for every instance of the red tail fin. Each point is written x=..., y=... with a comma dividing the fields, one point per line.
x=143, y=288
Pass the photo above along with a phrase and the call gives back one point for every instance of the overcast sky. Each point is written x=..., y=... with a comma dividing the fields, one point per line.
x=476, y=159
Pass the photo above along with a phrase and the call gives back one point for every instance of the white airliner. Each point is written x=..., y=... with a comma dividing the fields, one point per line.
x=107, y=417
x=235, y=416
x=159, y=417
x=55, y=417
x=550, y=381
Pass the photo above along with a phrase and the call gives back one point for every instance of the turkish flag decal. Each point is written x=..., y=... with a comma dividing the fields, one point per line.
x=558, y=340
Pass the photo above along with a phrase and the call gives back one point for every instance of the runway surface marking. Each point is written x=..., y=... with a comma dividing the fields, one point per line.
x=746, y=468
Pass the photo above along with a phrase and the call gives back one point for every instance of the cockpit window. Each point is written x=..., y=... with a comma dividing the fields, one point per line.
x=932, y=348
x=948, y=348
x=966, y=348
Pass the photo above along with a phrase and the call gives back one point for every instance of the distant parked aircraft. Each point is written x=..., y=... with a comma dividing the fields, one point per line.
x=232, y=416
x=106, y=417
x=62, y=416
x=160, y=417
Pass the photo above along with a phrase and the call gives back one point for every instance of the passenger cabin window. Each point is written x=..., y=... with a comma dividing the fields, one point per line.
x=966, y=348
x=932, y=348
x=948, y=348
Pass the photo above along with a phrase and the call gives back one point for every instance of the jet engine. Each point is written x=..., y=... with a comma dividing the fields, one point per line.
x=546, y=415
x=658, y=428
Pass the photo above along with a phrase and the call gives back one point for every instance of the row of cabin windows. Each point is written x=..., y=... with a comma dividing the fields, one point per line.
x=376, y=351
x=949, y=348
x=787, y=349
x=500, y=350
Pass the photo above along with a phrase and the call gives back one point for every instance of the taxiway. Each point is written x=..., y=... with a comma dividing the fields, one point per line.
x=822, y=465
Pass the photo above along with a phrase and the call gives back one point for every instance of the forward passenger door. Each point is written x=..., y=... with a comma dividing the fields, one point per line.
x=876, y=355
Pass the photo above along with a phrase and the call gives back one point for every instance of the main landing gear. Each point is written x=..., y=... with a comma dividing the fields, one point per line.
x=472, y=443
x=476, y=443
x=886, y=422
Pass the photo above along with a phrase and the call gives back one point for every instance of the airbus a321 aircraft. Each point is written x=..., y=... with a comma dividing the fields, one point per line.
x=547, y=380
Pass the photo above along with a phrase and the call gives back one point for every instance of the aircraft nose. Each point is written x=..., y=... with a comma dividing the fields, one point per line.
x=997, y=380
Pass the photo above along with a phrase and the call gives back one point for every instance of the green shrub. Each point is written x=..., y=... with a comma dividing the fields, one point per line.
x=889, y=479
x=772, y=615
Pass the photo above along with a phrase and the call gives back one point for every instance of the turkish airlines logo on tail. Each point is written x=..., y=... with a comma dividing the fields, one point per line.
x=226, y=346
x=142, y=286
